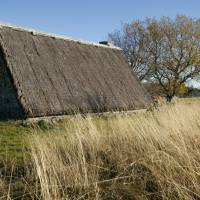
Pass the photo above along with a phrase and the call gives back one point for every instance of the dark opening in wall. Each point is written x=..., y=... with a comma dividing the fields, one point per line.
x=9, y=105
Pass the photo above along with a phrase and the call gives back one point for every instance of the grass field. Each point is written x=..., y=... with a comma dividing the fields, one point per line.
x=151, y=155
x=13, y=141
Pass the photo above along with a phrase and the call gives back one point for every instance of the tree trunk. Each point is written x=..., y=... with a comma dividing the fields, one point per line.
x=169, y=98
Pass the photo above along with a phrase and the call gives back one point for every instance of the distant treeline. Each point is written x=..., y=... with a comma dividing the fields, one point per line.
x=184, y=91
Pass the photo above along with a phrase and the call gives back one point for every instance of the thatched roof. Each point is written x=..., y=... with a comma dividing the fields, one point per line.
x=55, y=75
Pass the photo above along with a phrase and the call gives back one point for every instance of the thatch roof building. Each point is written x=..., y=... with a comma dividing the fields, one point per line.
x=46, y=75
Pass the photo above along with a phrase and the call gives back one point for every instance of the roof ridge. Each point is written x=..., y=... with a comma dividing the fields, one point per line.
x=56, y=36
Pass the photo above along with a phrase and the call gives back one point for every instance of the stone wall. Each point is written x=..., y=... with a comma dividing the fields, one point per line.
x=9, y=105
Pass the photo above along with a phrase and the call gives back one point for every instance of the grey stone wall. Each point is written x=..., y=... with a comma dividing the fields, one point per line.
x=9, y=105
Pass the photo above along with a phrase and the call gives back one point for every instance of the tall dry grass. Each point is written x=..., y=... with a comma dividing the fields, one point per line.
x=152, y=155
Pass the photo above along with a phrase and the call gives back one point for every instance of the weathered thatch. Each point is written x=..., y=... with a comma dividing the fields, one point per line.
x=49, y=75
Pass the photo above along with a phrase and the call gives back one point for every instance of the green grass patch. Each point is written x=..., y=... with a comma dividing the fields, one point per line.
x=13, y=141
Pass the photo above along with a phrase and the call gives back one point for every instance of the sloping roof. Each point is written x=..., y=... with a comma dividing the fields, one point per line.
x=55, y=75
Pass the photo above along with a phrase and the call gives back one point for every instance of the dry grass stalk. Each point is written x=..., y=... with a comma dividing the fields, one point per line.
x=153, y=155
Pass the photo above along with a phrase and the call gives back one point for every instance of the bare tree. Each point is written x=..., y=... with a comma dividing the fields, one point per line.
x=169, y=54
x=133, y=40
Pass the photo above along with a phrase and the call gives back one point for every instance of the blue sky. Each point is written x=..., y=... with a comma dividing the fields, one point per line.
x=89, y=19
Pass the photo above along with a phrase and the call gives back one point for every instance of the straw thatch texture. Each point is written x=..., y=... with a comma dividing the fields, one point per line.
x=54, y=76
